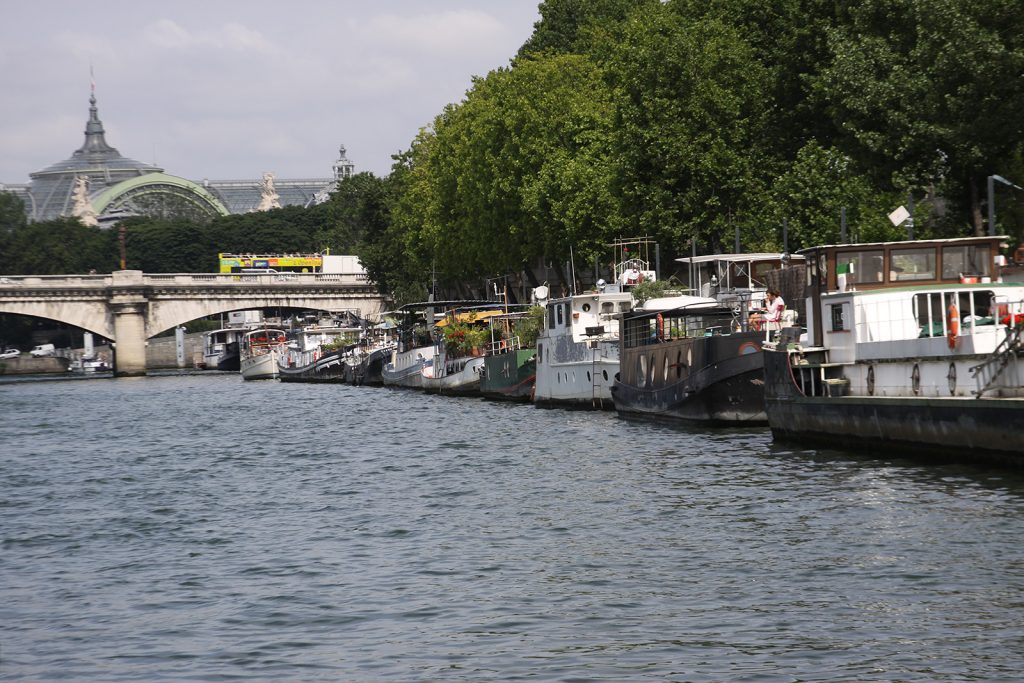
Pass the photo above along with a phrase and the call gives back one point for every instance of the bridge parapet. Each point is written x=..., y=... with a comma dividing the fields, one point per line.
x=138, y=278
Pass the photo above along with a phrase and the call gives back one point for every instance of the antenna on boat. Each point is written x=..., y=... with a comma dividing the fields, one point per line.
x=572, y=270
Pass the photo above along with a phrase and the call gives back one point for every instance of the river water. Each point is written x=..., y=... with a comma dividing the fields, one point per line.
x=198, y=527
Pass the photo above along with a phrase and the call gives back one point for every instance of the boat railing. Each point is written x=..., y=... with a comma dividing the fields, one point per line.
x=987, y=373
x=504, y=345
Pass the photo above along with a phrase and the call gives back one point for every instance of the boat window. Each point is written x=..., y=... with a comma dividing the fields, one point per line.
x=607, y=307
x=641, y=371
x=665, y=365
x=973, y=308
x=965, y=260
x=561, y=316
x=838, y=317
x=568, y=316
x=624, y=306
x=551, y=317
x=586, y=308
x=860, y=266
x=911, y=264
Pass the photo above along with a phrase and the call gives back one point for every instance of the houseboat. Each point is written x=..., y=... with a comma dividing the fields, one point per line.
x=690, y=359
x=910, y=346
x=578, y=349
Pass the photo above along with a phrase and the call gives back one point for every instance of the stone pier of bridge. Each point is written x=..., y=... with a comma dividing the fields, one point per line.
x=129, y=306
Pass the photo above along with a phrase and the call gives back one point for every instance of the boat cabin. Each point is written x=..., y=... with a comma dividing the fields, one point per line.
x=882, y=300
x=735, y=279
x=586, y=317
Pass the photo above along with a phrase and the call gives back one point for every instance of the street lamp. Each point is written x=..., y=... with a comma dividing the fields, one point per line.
x=992, y=200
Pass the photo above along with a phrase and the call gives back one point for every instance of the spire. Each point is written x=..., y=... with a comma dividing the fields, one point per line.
x=95, y=142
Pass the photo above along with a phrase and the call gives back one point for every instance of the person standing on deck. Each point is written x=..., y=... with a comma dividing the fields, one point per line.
x=773, y=312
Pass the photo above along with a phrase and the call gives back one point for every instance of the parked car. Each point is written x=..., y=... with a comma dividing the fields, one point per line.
x=43, y=350
x=10, y=353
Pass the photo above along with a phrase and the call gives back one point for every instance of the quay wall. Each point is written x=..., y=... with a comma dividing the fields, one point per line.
x=27, y=365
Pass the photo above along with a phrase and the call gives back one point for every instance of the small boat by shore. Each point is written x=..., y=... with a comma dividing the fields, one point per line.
x=510, y=368
x=260, y=351
x=911, y=346
x=220, y=349
x=316, y=353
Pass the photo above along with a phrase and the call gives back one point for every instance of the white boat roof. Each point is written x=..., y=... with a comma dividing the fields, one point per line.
x=762, y=256
x=667, y=303
x=911, y=243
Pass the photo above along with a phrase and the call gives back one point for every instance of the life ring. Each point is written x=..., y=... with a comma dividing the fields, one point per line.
x=952, y=325
x=661, y=327
x=280, y=338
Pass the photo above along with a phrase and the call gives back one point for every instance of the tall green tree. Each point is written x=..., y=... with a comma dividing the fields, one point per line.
x=691, y=107
x=519, y=170
x=928, y=93
x=60, y=246
x=573, y=26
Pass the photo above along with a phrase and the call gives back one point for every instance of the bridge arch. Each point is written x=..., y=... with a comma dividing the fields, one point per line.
x=90, y=316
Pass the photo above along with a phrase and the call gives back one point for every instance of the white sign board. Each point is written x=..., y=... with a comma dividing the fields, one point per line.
x=899, y=215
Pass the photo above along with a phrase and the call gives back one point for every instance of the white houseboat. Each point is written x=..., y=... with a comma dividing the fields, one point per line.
x=911, y=346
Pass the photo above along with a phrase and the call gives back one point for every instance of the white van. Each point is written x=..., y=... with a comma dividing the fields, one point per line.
x=43, y=350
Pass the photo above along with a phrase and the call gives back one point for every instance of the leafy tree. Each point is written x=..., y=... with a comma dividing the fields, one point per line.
x=811, y=194
x=570, y=26
x=360, y=204
x=518, y=170
x=929, y=92
x=60, y=246
x=691, y=107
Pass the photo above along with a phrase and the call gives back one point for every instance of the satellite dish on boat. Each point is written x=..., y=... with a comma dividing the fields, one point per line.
x=540, y=293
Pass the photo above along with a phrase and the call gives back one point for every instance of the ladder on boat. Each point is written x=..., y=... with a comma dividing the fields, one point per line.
x=986, y=374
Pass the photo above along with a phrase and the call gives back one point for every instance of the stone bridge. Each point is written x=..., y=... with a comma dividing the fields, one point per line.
x=128, y=306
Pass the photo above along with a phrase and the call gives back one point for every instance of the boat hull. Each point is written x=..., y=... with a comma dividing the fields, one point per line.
x=227, y=360
x=509, y=376
x=404, y=369
x=578, y=376
x=327, y=369
x=459, y=377
x=955, y=428
x=715, y=379
x=263, y=366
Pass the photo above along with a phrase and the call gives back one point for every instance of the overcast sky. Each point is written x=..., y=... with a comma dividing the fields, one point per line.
x=225, y=89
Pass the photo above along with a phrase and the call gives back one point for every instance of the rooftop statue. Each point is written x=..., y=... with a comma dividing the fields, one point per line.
x=268, y=195
x=82, y=207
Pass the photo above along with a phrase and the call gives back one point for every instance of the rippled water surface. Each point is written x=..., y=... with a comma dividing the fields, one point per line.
x=203, y=528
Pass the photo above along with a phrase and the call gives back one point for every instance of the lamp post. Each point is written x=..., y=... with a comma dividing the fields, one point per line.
x=992, y=200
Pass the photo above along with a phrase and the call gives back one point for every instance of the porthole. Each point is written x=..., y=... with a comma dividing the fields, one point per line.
x=589, y=379
x=679, y=364
x=605, y=373
x=951, y=376
x=586, y=308
x=871, y=380
x=915, y=380
x=641, y=371
x=650, y=380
